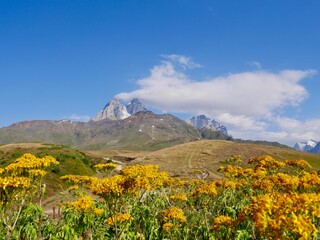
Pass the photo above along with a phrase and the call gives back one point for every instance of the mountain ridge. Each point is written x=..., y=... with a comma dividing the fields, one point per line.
x=311, y=146
x=116, y=128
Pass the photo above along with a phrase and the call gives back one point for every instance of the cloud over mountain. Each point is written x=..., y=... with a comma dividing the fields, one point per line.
x=247, y=101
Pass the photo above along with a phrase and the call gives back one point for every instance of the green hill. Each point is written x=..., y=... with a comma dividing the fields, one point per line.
x=71, y=161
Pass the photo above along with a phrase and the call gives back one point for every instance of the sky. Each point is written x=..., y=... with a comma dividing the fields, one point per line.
x=251, y=65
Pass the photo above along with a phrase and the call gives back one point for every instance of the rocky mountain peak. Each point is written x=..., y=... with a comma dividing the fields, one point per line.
x=114, y=110
x=305, y=146
x=202, y=121
x=135, y=105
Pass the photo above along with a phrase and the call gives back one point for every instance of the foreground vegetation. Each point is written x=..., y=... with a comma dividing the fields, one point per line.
x=262, y=199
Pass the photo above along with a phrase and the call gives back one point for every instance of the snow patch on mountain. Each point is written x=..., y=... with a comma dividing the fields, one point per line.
x=305, y=146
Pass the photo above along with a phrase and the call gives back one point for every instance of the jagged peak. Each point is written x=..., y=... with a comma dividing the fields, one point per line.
x=135, y=106
x=202, y=121
x=114, y=110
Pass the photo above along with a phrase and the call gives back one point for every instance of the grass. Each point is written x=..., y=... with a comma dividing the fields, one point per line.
x=206, y=155
x=71, y=161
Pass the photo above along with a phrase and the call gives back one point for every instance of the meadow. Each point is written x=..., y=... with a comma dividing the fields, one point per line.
x=263, y=198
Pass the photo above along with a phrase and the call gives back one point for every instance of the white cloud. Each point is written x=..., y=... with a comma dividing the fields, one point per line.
x=298, y=130
x=244, y=102
x=80, y=118
x=241, y=122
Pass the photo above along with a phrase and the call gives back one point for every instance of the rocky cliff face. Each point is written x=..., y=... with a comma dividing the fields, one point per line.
x=114, y=110
x=135, y=106
x=201, y=121
x=306, y=146
x=316, y=149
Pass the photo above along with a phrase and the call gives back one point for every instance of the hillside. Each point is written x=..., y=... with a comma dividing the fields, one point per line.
x=202, y=158
x=71, y=161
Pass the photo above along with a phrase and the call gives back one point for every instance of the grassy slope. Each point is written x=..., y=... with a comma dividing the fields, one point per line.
x=202, y=158
x=71, y=161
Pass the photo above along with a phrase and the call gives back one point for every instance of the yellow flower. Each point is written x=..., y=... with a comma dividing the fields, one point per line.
x=77, y=179
x=174, y=214
x=298, y=163
x=284, y=214
x=206, y=189
x=167, y=226
x=83, y=204
x=266, y=162
x=98, y=211
x=16, y=182
x=102, y=166
x=225, y=221
x=73, y=188
x=107, y=186
x=36, y=172
x=1, y=170
x=119, y=218
x=179, y=196
x=29, y=161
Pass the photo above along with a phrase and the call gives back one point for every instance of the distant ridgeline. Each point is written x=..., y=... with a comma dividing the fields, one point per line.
x=118, y=126
x=311, y=146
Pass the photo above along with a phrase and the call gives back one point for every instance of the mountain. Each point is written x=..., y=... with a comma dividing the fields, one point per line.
x=114, y=110
x=135, y=105
x=201, y=121
x=144, y=131
x=130, y=127
x=316, y=149
x=305, y=146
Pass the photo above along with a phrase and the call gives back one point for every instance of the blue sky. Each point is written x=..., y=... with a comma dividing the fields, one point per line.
x=252, y=65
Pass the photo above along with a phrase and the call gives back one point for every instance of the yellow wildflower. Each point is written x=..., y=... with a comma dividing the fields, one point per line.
x=298, y=163
x=179, y=196
x=37, y=172
x=16, y=182
x=119, y=218
x=29, y=161
x=206, y=189
x=77, y=179
x=98, y=211
x=167, y=226
x=225, y=221
x=102, y=166
x=73, y=188
x=174, y=214
x=83, y=204
x=266, y=162
x=107, y=186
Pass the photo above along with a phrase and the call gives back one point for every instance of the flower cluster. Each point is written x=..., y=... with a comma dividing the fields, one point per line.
x=131, y=180
x=85, y=203
x=76, y=179
x=105, y=166
x=179, y=196
x=223, y=221
x=29, y=161
x=281, y=214
x=206, y=189
x=119, y=218
x=15, y=182
x=174, y=214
